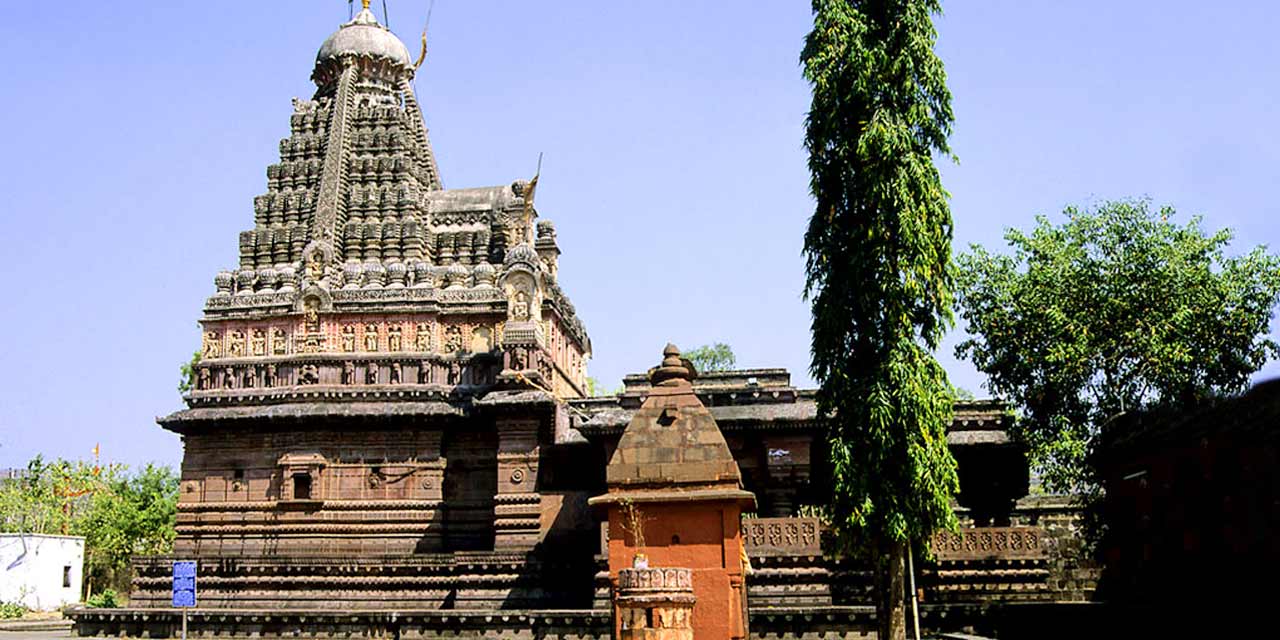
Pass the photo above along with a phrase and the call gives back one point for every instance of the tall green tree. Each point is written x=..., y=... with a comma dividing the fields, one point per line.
x=1116, y=309
x=712, y=357
x=879, y=276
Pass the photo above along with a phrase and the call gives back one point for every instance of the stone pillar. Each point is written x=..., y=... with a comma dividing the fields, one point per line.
x=517, y=505
x=654, y=604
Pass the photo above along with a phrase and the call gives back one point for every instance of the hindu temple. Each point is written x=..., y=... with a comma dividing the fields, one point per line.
x=390, y=435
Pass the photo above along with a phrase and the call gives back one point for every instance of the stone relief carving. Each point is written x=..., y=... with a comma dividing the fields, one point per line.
x=371, y=373
x=278, y=343
x=271, y=378
x=455, y=373
x=393, y=339
x=258, y=343
x=348, y=373
x=235, y=344
x=424, y=372
x=453, y=339
x=348, y=338
x=310, y=374
x=422, y=337
x=396, y=371
x=481, y=340
x=212, y=347
x=202, y=380
x=371, y=337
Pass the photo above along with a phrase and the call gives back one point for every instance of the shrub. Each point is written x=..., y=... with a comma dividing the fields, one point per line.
x=10, y=610
x=106, y=599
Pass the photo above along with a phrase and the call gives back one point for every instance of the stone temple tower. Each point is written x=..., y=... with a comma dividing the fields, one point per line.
x=382, y=372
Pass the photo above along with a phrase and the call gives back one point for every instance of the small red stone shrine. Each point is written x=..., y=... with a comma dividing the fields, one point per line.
x=675, y=500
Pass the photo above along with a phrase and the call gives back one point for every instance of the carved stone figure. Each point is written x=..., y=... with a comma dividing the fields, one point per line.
x=393, y=338
x=518, y=362
x=455, y=373
x=250, y=377
x=202, y=378
x=278, y=343
x=422, y=337
x=481, y=340
x=310, y=374
x=371, y=337
x=258, y=343
x=424, y=372
x=396, y=371
x=453, y=339
x=371, y=373
x=270, y=379
x=349, y=338
x=229, y=378
x=212, y=345
x=235, y=344
x=311, y=314
x=348, y=373
x=520, y=306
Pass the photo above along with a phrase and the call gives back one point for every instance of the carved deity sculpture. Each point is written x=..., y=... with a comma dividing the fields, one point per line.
x=235, y=344
x=315, y=267
x=278, y=344
x=393, y=338
x=455, y=373
x=348, y=373
x=310, y=374
x=202, y=380
x=520, y=306
x=453, y=339
x=258, y=343
x=371, y=337
x=250, y=377
x=349, y=338
x=311, y=314
x=518, y=362
x=422, y=337
x=229, y=378
x=396, y=371
x=424, y=372
x=212, y=345
x=371, y=373
x=270, y=379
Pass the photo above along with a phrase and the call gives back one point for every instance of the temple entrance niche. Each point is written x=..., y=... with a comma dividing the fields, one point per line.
x=470, y=483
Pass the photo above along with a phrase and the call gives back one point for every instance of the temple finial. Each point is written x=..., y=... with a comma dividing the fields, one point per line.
x=365, y=4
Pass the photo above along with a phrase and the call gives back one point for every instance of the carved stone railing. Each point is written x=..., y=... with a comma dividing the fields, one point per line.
x=655, y=603
x=991, y=543
x=782, y=536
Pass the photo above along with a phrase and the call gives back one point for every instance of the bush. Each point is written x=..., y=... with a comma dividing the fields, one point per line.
x=106, y=599
x=10, y=610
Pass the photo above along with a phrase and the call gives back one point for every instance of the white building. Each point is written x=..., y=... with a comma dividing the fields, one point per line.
x=39, y=571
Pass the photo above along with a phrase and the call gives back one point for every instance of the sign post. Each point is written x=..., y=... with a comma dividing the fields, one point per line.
x=184, y=589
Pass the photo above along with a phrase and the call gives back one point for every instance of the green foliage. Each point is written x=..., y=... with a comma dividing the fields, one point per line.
x=48, y=498
x=188, y=372
x=107, y=599
x=11, y=610
x=712, y=357
x=962, y=394
x=119, y=513
x=136, y=515
x=878, y=265
x=1116, y=309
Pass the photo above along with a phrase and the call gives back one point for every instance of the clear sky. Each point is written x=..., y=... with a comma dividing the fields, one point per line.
x=138, y=133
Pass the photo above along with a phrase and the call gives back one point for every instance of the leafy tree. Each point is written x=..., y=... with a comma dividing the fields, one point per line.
x=137, y=514
x=712, y=357
x=118, y=513
x=879, y=277
x=187, y=382
x=595, y=389
x=1116, y=309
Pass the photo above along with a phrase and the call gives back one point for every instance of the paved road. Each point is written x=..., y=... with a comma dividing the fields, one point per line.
x=34, y=635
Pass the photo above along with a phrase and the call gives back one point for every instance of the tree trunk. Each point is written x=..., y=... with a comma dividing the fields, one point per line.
x=891, y=610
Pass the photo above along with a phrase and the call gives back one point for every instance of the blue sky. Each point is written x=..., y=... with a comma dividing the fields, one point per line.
x=137, y=135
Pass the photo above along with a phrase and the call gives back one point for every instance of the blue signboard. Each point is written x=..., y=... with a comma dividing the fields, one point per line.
x=184, y=583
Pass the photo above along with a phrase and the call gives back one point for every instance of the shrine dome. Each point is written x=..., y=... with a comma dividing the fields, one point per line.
x=364, y=36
